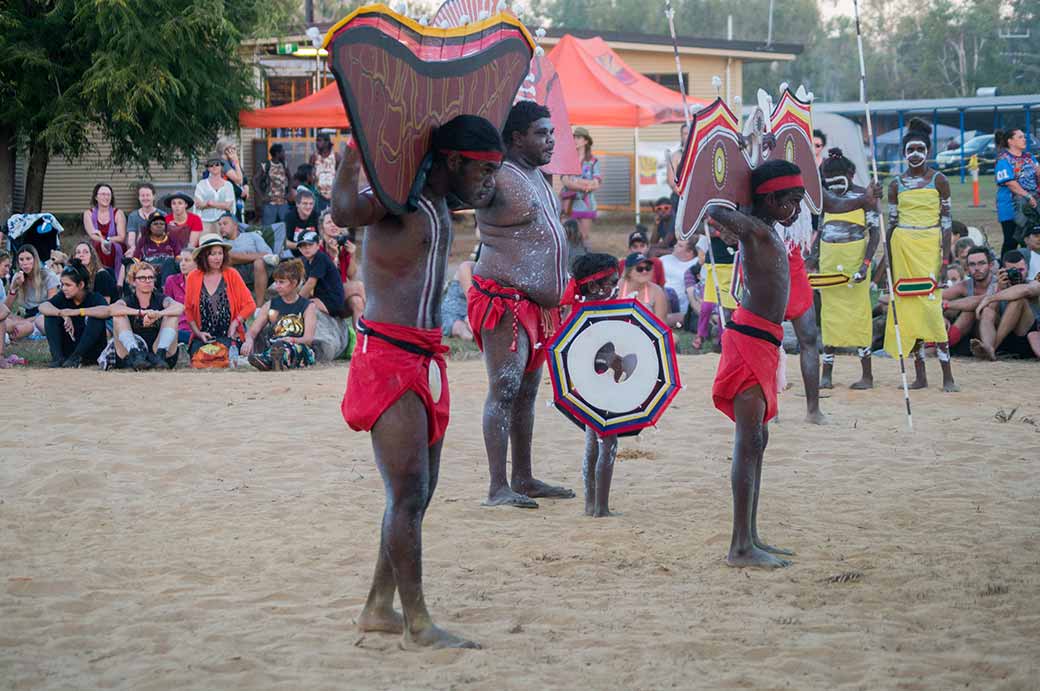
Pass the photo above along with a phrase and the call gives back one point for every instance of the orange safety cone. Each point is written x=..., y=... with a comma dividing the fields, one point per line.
x=973, y=165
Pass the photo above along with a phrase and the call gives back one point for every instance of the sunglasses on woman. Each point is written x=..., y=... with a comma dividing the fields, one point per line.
x=644, y=268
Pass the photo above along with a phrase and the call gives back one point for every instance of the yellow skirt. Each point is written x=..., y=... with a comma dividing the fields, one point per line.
x=845, y=313
x=915, y=254
x=725, y=274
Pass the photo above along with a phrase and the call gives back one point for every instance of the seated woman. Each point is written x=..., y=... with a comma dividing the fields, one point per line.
x=106, y=227
x=137, y=220
x=145, y=323
x=158, y=247
x=175, y=287
x=102, y=281
x=31, y=285
x=74, y=319
x=217, y=300
x=637, y=284
x=341, y=247
x=454, y=321
x=293, y=321
x=182, y=225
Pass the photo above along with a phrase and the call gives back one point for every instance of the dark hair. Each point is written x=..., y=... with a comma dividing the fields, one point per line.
x=821, y=135
x=303, y=172
x=291, y=270
x=1001, y=137
x=324, y=137
x=522, y=114
x=769, y=170
x=203, y=255
x=465, y=133
x=917, y=130
x=961, y=244
x=588, y=264
x=75, y=270
x=836, y=164
x=573, y=232
x=93, y=195
x=1013, y=257
x=980, y=249
x=145, y=186
x=276, y=149
x=959, y=229
x=663, y=200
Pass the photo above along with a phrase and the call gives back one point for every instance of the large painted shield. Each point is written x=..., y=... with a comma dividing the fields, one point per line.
x=791, y=124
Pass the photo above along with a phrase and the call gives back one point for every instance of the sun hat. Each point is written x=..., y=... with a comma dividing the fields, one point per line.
x=209, y=240
x=178, y=195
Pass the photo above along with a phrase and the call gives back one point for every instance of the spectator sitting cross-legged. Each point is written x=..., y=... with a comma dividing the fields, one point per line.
x=137, y=220
x=213, y=195
x=175, y=287
x=1015, y=329
x=106, y=226
x=454, y=319
x=216, y=298
x=145, y=323
x=341, y=247
x=30, y=286
x=303, y=218
x=293, y=321
x=5, y=311
x=250, y=255
x=74, y=319
x=322, y=285
x=961, y=299
x=182, y=225
x=637, y=284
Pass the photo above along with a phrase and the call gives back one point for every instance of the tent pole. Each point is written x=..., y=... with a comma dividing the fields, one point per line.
x=635, y=171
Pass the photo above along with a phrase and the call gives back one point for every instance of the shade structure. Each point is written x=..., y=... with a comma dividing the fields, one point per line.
x=323, y=108
x=613, y=367
x=600, y=89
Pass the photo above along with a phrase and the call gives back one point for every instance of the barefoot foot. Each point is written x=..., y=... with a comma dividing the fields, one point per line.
x=434, y=637
x=826, y=383
x=982, y=351
x=755, y=558
x=537, y=488
x=605, y=513
x=950, y=386
x=863, y=384
x=918, y=384
x=817, y=418
x=384, y=620
x=507, y=497
x=771, y=549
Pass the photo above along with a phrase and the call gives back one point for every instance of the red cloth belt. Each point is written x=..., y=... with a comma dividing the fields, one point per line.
x=487, y=302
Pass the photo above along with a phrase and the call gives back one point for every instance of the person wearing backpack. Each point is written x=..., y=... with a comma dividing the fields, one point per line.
x=272, y=184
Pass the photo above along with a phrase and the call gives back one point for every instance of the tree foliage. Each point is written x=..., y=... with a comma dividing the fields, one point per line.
x=159, y=79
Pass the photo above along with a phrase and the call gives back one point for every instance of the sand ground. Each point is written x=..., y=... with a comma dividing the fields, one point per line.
x=217, y=530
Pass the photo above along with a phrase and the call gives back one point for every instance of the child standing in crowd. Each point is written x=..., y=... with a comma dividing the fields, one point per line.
x=596, y=278
x=293, y=320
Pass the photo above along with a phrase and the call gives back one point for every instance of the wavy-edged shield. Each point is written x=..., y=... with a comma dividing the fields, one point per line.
x=791, y=124
x=541, y=84
x=399, y=79
x=714, y=168
x=613, y=367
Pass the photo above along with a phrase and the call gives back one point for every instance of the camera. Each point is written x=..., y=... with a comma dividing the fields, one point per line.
x=1014, y=277
x=344, y=238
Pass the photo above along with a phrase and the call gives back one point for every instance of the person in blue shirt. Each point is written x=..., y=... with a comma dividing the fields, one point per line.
x=1016, y=177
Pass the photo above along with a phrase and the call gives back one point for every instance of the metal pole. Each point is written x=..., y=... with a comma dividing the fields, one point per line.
x=769, y=34
x=635, y=175
x=900, y=115
x=670, y=13
x=961, y=111
x=881, y=216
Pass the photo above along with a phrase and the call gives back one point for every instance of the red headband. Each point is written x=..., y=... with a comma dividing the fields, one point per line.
x=493, y=156
x=598, y=275
x=784, y=182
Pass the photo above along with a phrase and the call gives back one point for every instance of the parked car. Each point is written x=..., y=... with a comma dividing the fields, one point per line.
x=982, y=146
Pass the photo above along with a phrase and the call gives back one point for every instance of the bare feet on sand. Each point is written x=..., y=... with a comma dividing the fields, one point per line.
x=381, y=621
x=434, y=637
x=537, y=488
x=817, y=418
x=982, y=351
x=507, y=497
x=918, y=384
x=772, y=550
x=826, y=383
x=862, y=384
x=755, y=558
x=950, y=387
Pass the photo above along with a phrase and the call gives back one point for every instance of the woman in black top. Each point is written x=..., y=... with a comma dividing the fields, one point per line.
x=102, y=281
x=74, y=319
x=145, y=314
x=293, y=321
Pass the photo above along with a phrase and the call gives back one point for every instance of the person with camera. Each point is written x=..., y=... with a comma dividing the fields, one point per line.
x=1009, y=318
x=341, y=246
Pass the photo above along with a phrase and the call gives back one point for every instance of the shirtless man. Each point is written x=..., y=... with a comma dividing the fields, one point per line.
x=513, y=304
x=397, y=386
x=745, y=386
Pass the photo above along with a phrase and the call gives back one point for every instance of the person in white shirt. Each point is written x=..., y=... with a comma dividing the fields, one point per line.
x=213, y=196
x=676, y=264
x=1032, y=243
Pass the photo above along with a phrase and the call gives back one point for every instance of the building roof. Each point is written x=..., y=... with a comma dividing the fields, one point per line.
x=927, y=105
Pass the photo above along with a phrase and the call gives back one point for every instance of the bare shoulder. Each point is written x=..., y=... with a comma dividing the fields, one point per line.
x=942, y=183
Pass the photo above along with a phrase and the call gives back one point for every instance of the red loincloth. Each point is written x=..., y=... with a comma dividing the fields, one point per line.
x=800, y=297
x=746, y=361
x=487, y=302
x=382, y=371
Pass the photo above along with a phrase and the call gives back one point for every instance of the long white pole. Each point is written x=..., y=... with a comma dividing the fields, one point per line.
x=881, y=216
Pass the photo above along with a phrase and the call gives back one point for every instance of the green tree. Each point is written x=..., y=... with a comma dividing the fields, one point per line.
x=159, y=79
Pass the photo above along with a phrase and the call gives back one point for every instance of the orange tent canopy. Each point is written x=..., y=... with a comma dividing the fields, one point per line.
x=323, y=108
x=600, y=89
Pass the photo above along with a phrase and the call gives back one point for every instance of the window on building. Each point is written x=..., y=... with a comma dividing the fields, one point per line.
x=282, y=90
x=670, y=80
